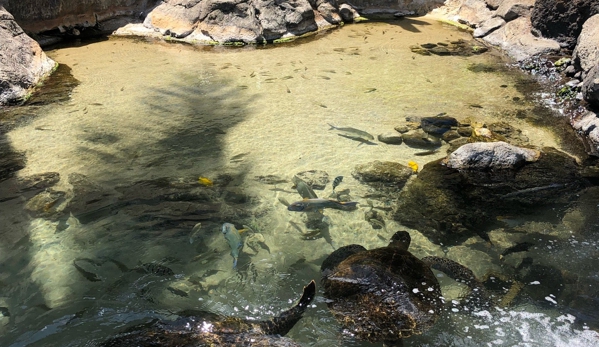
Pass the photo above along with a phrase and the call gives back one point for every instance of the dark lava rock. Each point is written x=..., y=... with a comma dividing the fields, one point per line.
x=437, y=126
x=316, y=179
x=450, y=205
x=420, y=139
x=562, y=20
x=383, y=175
x=450, y=135
x=390, y=138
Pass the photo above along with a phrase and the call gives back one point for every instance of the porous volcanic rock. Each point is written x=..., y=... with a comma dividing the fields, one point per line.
x=562, y=20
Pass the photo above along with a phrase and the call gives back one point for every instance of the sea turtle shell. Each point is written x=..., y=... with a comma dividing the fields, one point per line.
x=383, y=294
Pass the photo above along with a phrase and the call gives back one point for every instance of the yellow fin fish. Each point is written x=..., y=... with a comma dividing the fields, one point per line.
x=412, y=164
x=205, y=181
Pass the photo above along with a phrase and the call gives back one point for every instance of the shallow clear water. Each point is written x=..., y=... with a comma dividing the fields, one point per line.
x=148, y=119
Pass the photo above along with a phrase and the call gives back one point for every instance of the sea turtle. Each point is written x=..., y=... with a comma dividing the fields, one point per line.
x=200, y=328
x=387, y=294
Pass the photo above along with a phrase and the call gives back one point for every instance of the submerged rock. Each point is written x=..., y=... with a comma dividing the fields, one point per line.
x=315, y=179
x=390, y=138
x=449, y=203
x=383, y=175
x=437, y=126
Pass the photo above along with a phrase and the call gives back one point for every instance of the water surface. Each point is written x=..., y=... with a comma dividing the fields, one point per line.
x=148, y=118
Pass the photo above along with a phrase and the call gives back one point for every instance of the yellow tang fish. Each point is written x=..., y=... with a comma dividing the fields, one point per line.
x=205, y=182
x=412, y=164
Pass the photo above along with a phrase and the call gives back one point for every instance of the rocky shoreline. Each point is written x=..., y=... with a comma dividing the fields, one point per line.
x=534, y=33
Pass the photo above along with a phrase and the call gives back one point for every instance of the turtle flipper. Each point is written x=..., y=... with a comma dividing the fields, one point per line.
x=282, y=323
x=479, y=297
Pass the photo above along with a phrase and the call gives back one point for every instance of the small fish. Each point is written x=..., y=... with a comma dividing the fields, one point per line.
x=303, y=188
x=433, y=151
x=337, y=182
x=284, y=201
x=195, y=232
x=253, y=74
x=310, y=205
x=206, y=182
x=352, y=133
x=234, y=239
x=288, y=90
x=329, y=71
x=370, y=90
x=413, y=166
x=531, y=190
x=176, y=291
x=286, y=77
x=519, y=247
x=324, y=77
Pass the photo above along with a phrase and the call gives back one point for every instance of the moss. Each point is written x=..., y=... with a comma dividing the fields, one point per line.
x=234, y=43
x=360, y=19
x=284, y=39
x=460, y=26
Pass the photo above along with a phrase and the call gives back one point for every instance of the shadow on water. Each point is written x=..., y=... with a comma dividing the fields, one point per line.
x=108, y=245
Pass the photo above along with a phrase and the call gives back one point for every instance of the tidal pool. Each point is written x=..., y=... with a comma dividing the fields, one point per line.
x=147, y=119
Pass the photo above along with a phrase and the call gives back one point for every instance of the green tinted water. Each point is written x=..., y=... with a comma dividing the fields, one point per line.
x=145, y=111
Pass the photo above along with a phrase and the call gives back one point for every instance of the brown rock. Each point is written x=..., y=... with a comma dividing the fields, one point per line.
x=22, y=62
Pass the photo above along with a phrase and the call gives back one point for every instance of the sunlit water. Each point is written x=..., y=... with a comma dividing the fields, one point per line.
x=146, y=110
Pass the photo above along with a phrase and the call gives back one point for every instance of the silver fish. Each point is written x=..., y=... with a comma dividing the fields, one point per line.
x=337, y=181
x=353, y=133
x=234, y=239
x=303, y=188
x=311, y=205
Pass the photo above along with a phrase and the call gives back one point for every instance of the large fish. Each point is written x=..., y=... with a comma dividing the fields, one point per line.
x=234, y=239
x=303, y=188
x=353, y=133
x=311, y=205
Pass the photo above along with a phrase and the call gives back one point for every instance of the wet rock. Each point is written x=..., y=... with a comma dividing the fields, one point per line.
x=457, y=143
x=488, y=26
x=86, y=195
x=437, y=126
x=588, y=127
x=45, y=204
x=39, y=181
x=348, y=13
x=512, y=9
x=485, y=135
x=590, y=86
x=449, y=205
x=402, y=129
x=490, y=156
x=383, y=175
x=450, y=135
x=316, y=179
x=22, y=62
x=562, y=20
x=465, y=131
x=516, y=40
x=420, y=139
x=390, y=138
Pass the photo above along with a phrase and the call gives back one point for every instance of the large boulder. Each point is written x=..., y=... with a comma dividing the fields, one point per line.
x=562, y=20
x=453, y=199
x=512, y=9
x=490, y=156
x=586, y=53
x=22, y=62
x=516, y=39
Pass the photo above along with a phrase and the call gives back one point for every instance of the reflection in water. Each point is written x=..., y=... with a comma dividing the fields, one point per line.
x=119, y=189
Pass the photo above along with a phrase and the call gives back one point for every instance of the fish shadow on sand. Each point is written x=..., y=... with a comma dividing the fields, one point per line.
x=362, y=141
